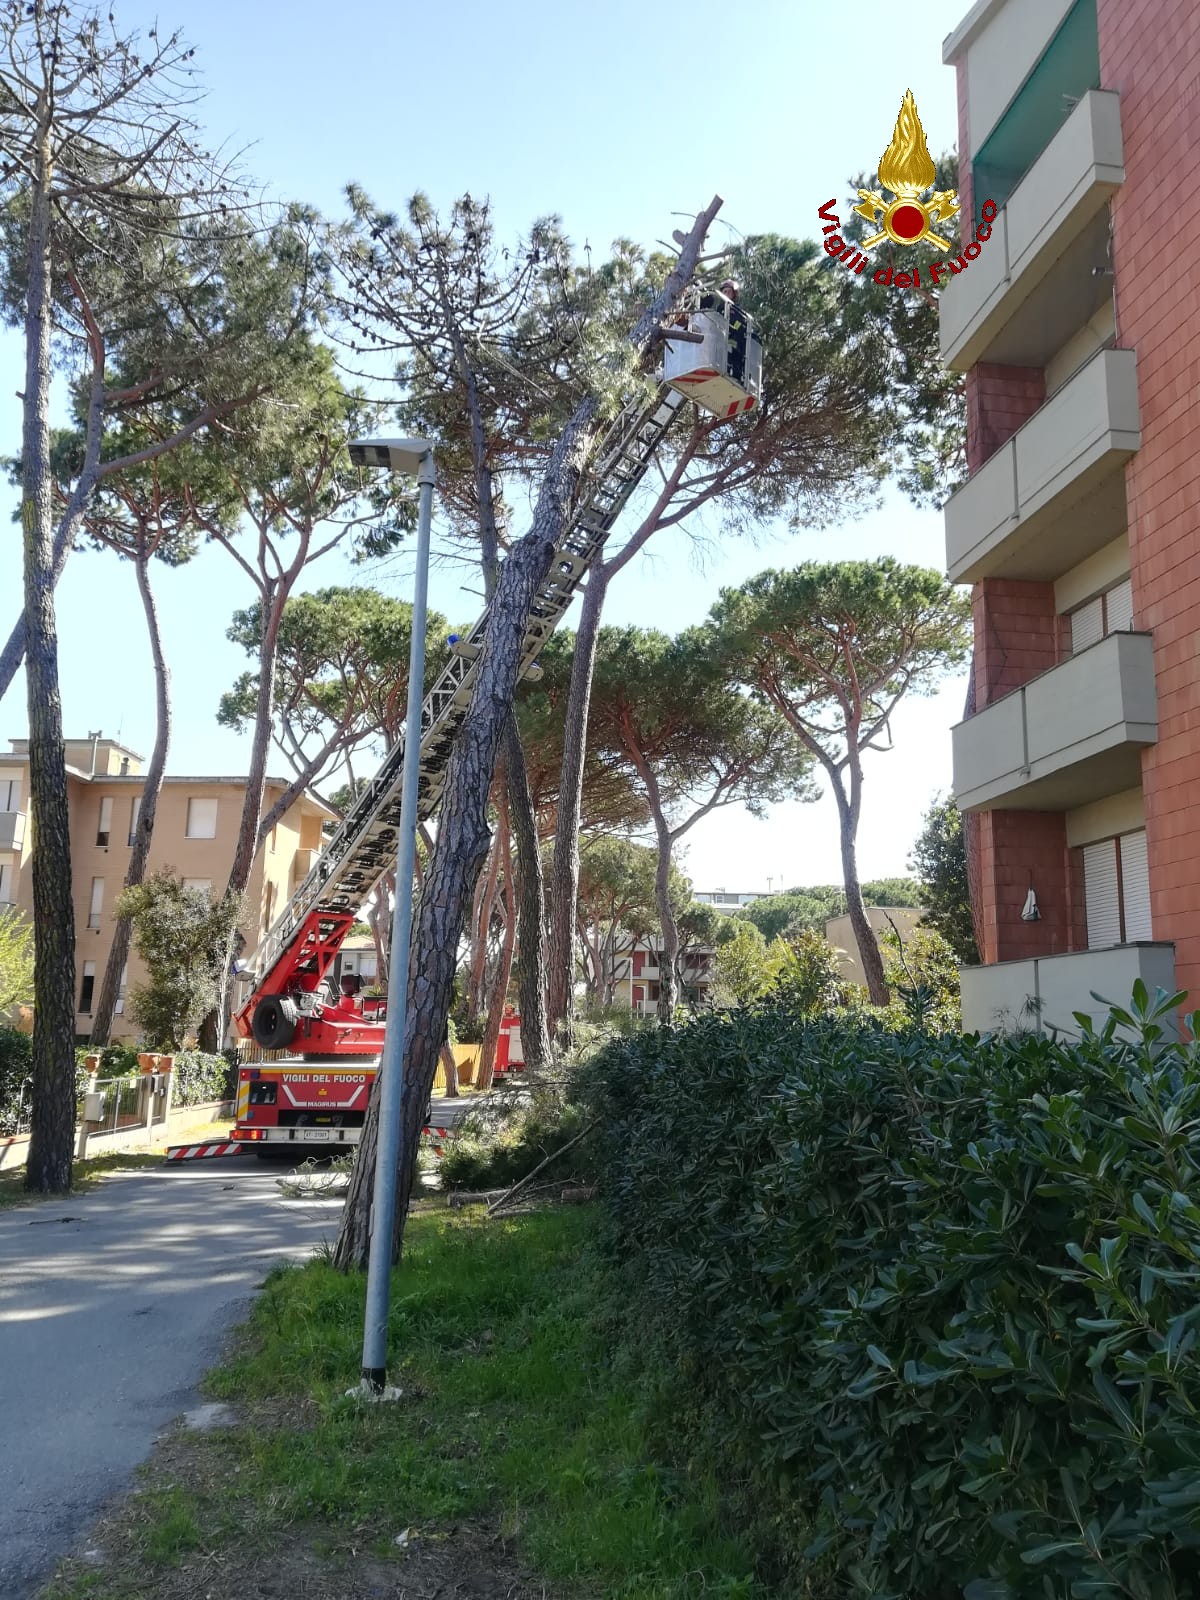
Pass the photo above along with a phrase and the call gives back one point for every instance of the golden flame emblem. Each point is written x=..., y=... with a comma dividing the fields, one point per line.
x=906, y=169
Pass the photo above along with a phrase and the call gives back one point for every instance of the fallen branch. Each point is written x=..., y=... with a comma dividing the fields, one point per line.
x=497, y=1205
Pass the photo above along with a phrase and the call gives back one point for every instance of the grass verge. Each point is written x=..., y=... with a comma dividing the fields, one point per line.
x=515, y=1442
x=86, y=1176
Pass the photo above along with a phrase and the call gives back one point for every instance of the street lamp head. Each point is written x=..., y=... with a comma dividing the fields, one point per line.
x=397, y=455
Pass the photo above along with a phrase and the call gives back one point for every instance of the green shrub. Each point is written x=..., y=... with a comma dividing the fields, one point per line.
x=942, y=1295
x=16, y=1067
x=200, y=1077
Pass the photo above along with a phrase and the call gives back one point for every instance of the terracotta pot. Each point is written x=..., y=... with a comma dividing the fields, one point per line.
x=166, y=1063
x=147, y=1061
x=92, y=1063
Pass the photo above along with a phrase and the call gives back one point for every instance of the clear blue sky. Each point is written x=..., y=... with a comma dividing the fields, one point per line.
x=621, y=119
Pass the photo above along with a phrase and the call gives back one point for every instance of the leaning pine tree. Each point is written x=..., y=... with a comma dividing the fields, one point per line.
x=463, y=833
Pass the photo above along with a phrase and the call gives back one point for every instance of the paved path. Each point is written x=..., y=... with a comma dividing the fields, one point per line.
x=112, y=1307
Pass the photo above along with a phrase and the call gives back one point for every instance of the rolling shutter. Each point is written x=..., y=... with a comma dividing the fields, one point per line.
x=1135, y=887
x=1120, y=607
x=1100, y=892
x=1087, y=625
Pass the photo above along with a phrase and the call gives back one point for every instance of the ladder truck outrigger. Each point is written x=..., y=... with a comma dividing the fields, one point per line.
x=318, y=1095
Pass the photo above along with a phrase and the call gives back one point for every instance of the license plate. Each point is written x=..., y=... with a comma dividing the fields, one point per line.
x=314, y=1133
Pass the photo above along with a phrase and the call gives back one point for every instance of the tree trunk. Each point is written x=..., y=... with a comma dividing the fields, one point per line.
x=669, y=957
x=462, y=841
x=864, y=934
x=497, y=1000
x=51, y=1148
x=564, y=890
x=483, y=906
x=531, y=932
x=492, y=1003
x=264, y=715
x=463, y=834
x=450, y=1068
x=151, y=789
x=13, y=653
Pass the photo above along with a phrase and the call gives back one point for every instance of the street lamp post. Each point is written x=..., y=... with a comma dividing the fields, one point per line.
x=413, y=457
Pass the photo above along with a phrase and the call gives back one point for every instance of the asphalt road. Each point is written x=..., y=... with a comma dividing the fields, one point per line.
x=112, y=1307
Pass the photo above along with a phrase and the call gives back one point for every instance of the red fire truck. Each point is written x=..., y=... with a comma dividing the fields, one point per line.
x=318, y=1096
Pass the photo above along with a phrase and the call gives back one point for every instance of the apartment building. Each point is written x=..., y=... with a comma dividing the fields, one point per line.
x=636, y=961
x=195, y=832
x=1075, y=326
x=726, y=899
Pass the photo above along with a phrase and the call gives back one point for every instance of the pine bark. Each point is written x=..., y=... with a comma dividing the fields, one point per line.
x=564, y=887
x=849, y=807
x=531, y=929
x=151, y=790
x=492, y=999
x=51, y=1147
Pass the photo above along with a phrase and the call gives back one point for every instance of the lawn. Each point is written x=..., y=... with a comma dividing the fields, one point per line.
x=516, y=1453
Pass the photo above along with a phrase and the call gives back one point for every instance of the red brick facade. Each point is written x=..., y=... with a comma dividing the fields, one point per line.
x=1156, y=68
x=1149, y=54
x=1020, y=849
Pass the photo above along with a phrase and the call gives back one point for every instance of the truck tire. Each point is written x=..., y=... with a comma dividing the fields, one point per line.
x=274, y=1022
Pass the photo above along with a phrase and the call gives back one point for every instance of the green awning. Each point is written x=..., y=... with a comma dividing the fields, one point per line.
x=1068, y=68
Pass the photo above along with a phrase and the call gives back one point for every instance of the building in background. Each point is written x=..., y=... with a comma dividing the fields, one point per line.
x=195, y=832
x=840, y=934
x=1076, y=327
x=636, y=961
x=725, y=901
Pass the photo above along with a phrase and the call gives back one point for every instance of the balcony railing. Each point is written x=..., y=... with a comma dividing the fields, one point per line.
x=1073, y=734
x=12, y=830
x=1055, y=493
x=1033, y=283
x=1045, y=993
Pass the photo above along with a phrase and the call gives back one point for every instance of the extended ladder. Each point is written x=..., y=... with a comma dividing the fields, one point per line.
x=364, y=847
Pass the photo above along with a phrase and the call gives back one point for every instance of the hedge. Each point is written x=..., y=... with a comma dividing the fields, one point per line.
x=941, y=1294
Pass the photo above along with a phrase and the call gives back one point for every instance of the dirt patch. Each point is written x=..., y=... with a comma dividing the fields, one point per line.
x=258, y=1560
x=465, y=1562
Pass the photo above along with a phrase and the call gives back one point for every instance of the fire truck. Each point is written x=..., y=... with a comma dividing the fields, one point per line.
x=317, y=1096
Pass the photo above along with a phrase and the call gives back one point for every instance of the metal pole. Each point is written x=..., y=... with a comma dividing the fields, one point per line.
x=391, y=1064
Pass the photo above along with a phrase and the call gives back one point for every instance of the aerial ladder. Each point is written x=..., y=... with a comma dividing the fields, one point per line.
x=320, y=1093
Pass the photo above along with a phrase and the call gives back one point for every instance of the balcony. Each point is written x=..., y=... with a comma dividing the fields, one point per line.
x=302, y=863
x=12, y=830
x=1032, y=285
x=1044, y=994
x=1055, y=493
x=1073, y=734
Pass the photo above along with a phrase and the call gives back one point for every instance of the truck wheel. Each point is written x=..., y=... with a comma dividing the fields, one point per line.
x=274, y=1022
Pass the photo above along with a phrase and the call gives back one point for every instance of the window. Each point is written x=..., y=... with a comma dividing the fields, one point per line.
x=104, y=825
x=96, y=903
x=135, y=806
x=200, y=885
x=87, y=985
x=10, y=794
x=274, y=831
x=120, y=1005
x=6, y=882
x=1116, y=879
x=1111, y=612
x=201, y=818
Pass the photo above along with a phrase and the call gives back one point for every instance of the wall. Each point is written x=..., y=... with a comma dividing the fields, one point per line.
x=1017, y=848
x=1156, y=68
x=840, y=934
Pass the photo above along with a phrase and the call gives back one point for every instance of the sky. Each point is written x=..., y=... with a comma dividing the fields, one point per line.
x=624, y=123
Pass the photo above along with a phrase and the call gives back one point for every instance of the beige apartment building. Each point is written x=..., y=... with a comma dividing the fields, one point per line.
x=195, y=832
